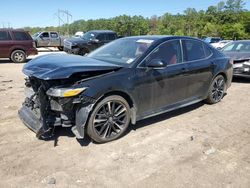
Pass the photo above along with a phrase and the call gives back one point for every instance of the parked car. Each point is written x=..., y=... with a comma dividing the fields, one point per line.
x=124, y=81
x=16, y=44
x=212, y=40
x=79, y=34
x=221, y=44
x=239, y=52
x=48, y=39
x=89, y=41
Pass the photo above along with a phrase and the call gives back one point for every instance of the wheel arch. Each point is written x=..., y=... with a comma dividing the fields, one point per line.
x=15, y=49
x=127, y=97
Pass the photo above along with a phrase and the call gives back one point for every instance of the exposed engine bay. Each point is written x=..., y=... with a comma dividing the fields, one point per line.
x=43, y=110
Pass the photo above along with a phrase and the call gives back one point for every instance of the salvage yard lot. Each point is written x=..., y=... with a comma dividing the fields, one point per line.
x=198, y=146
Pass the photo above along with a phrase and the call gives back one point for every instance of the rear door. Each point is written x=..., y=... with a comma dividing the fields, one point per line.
x=5, y=44
x=22, y=40
x=54, y=39
x=200, y=67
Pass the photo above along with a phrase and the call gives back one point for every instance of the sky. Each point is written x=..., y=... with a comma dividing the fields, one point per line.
x=34, y=13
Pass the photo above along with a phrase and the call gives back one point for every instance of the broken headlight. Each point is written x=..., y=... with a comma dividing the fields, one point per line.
x=65, y=92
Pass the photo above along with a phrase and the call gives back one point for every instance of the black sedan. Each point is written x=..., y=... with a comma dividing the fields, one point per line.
x=239, y=52
x=120, y=83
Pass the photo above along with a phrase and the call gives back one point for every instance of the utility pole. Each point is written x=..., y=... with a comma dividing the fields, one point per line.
x=60, y=14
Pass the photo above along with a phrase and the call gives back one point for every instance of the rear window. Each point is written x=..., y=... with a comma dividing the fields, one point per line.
x=53, y=35
x=18, y=35
x=4, y=35
x=207, y=50
x=193, y=50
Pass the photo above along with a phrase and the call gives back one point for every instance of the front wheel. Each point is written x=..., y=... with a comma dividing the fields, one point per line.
x=109, y=119
x=217, y=90
x=83, y=52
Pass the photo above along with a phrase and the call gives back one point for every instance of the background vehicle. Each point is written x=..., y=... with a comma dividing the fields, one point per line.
x=220, y=44
x=16, y=44
x=48, y=39
x=239, y=52
x=211, y=40
x=124, y=81
x=89, y=41
x=79, y=34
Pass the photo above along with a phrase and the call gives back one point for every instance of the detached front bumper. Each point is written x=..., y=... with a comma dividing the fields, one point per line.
x=30, y=119
x=242, y=69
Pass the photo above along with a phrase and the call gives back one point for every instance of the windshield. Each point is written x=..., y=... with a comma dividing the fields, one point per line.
x=124, y=50
x=237, y=47
x=36, y=34
x=88, y=36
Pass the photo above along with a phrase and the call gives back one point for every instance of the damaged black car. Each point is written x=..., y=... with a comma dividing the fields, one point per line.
x=239, y=52
x=125, y=81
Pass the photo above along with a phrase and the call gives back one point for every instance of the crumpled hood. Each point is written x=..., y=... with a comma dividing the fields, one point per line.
x=238, y=55
x=61, y=66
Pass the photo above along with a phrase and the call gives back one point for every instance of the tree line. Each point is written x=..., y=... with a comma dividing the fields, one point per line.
x=228, y=19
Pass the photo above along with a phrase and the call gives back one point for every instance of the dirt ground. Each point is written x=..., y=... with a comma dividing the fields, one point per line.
x=198, y=146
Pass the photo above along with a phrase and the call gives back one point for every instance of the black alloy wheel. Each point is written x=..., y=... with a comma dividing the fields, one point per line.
x=109, y=120
x=216, y=90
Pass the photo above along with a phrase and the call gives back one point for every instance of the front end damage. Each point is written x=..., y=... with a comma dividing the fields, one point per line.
x=241, y=68
x=42, y=110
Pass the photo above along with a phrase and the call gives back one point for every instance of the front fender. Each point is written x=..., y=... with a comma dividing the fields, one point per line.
x=81, y=118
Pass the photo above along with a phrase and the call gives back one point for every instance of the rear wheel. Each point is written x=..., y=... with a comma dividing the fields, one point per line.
x=18, y=56
x=109, y=119
x=216, y=90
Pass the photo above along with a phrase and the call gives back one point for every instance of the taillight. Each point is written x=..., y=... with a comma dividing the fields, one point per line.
x=34, y=44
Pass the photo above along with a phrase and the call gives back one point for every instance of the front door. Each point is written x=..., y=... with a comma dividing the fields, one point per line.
x=165, y=87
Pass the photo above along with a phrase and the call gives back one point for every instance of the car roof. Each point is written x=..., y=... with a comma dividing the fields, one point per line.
x=11, y=29
x=101, y=31
x=162, y=37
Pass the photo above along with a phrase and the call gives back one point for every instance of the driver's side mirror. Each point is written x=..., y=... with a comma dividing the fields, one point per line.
x=156, y=63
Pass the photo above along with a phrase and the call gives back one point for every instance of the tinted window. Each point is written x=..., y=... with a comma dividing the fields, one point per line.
x=20, y=35
x=193, y=50
x=4, y=35
x=45, y=34
x=101, y=37
x=169, y=53
x=53, y=35
x=207, y=50
x=111, y=36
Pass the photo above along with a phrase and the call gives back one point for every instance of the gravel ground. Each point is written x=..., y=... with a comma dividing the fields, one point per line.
x=198, y=146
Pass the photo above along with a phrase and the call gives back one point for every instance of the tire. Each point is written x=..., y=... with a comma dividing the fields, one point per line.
x=83, y=52
x=18, y=56
x=216, y=90
x=60, y=48
x=109, y=120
